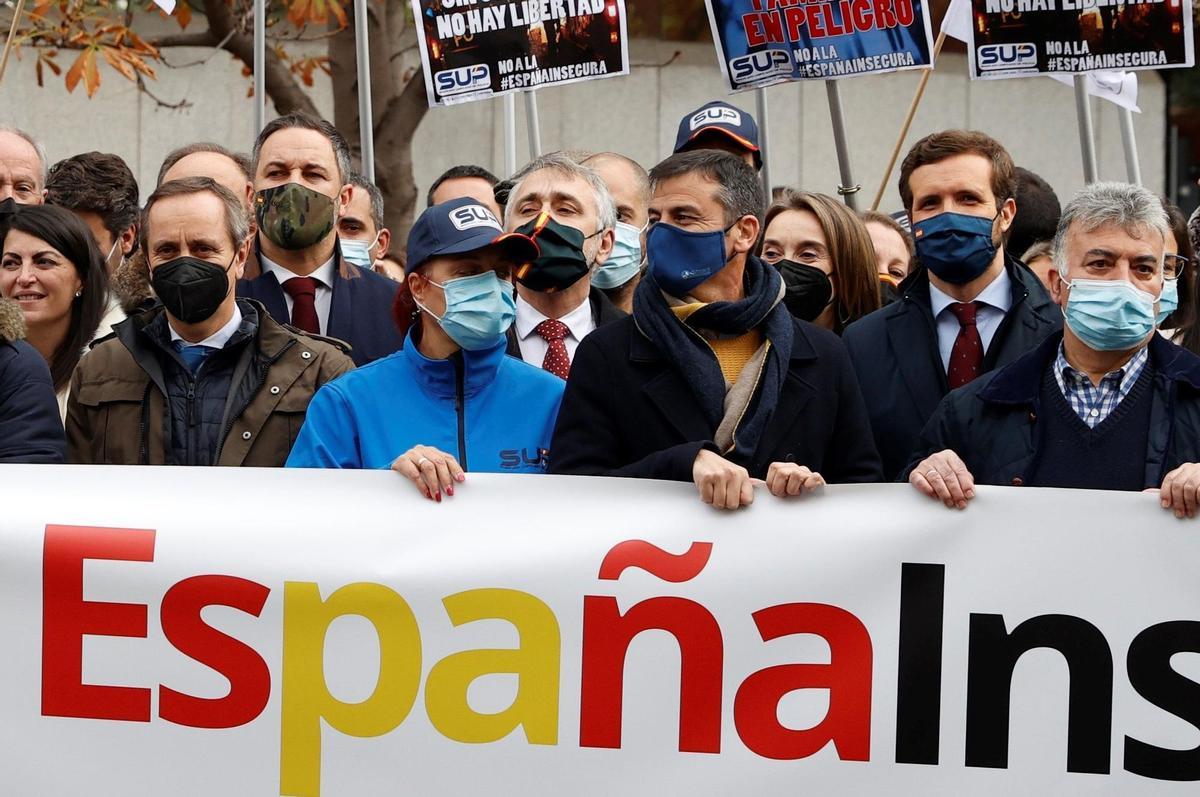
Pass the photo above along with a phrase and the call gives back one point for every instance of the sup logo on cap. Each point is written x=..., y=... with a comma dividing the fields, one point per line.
x=715, y=116
x=472, y=216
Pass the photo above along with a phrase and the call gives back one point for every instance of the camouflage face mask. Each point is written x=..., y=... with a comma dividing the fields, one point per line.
x=293, y=216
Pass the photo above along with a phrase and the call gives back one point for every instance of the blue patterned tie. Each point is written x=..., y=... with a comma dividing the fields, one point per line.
x=192, y=355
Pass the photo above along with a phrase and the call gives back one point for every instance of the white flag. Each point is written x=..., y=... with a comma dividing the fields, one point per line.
x=1120, y=88
x=166, y=5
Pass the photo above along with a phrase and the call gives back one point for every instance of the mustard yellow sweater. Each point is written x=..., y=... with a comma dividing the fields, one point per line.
x=732, y=353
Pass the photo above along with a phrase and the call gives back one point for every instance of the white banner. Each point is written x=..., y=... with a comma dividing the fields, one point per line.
x=258, y=632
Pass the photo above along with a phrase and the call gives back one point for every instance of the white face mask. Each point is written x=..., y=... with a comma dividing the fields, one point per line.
x=358, y=252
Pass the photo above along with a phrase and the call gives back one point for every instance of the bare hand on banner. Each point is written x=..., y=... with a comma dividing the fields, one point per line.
x=944, y=476
x=1180, y=491
x=721, y=483
x=432, y=471
x=789, y=479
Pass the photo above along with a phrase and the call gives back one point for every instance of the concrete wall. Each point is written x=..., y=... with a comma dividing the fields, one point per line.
x=636, y=115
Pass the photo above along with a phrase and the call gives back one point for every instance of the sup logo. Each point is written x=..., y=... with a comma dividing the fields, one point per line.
x=463, y=79
x=993, y=57
x=710, y=116
x=756, y=66
x=471, y=216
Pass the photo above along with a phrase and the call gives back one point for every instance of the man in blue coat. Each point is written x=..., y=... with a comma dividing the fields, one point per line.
x=972, y=308
x=302, y=186
x=712, y=380
x=1108, y=404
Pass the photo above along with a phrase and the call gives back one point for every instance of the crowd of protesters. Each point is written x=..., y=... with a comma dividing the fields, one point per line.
x=587, y=316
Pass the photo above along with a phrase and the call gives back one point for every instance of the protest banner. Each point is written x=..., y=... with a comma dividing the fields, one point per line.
x=193, y=632
x=761, y=42
x=475, y=49
x=1013, y=38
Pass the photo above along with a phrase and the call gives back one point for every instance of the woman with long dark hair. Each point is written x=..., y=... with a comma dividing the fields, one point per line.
x=1182, y=326
x=51, y=267
x=825, y=256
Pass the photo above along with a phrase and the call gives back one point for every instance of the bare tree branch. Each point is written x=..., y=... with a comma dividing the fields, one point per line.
x=194, y=39
x=171, y=106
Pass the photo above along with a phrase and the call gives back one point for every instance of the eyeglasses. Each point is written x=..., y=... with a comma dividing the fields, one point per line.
x=1173, y=266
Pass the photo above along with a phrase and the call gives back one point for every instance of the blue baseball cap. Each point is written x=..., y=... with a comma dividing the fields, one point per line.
x=459, y=226
x=723, y=118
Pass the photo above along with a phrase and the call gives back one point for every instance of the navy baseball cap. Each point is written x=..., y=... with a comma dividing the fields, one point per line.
x=723, y=118
x=459, y=226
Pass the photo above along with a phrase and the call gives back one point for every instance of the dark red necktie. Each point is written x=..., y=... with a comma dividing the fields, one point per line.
x=966, y=358
x=303, y=291
x=556, y=360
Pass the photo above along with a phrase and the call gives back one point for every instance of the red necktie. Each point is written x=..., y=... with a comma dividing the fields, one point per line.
x=556, y=361
x=966, y=358
x=303, y=291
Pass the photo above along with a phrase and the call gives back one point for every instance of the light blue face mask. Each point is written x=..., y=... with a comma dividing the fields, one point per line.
x=624, y=262
x=1169, y=301
x=1109, y=315
x=479, y=310
x=358, y=252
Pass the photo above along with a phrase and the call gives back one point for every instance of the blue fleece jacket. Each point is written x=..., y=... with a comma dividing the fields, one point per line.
x=492, y=412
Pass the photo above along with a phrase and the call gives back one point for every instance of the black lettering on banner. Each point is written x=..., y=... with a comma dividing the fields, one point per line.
x=919, y=675
x=1151, y=674
x=993, y=657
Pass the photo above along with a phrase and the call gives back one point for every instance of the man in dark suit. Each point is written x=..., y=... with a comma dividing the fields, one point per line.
x=971, y=308
x=712, y=380
x=567, y=209
x=302, y=186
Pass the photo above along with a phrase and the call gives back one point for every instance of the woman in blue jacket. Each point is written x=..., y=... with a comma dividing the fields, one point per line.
x=451, y=400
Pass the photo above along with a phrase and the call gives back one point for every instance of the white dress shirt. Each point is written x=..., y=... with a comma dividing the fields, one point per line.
x=324, y=297
x=533, y=346
x=994, y=302
x=218, y=339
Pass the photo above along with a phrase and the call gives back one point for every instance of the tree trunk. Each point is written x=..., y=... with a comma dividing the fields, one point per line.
x=398, y=104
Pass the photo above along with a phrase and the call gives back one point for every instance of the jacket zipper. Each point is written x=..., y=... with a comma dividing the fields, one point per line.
x=460, y=408
x=143, y=444
x=233, y=416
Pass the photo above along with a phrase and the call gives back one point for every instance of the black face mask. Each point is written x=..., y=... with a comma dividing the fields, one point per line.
x=191, y=289
x=807, y=289
x=561, y=263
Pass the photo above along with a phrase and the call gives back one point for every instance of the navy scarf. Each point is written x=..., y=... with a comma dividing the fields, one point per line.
x=695, y=361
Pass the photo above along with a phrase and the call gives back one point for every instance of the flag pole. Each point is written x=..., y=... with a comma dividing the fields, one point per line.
x=12, y=35
x=764, y=150
x=366, y=116
x=908, y=120
x=260, y=65
x=848, y=187
x=1087, y=135
x=1129, y=140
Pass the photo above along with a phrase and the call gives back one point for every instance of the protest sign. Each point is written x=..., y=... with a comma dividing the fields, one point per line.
x=196, y=632
x=1014, y=38
x=761, y=42
x=475, y=49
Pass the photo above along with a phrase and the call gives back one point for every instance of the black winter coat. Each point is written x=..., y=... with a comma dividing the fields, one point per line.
x=992, y=423
x=31, y=430
x=627, y=411
x=895, y=354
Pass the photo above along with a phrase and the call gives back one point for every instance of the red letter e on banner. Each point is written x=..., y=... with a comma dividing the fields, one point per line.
x=67, y=617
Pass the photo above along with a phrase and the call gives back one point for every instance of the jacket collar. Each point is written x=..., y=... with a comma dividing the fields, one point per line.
x=1022, y=283
x=1020, y=382
x=641, y=349
x=440, y=377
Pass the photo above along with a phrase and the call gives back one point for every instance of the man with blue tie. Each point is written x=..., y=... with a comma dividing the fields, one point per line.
x=302, y=187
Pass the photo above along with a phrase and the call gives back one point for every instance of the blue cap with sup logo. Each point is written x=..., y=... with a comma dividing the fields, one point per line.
x=723, y=118
x=459, y=226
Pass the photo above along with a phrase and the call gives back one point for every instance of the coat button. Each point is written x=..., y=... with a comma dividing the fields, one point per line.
x=274, y=390
x=307, y=355
x=1018, y=481
x=246, y=435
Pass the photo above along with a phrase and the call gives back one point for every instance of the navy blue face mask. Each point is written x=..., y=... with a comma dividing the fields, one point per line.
x=955, y=247
x=680, y=260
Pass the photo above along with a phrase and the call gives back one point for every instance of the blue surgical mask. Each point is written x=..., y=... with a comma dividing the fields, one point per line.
x=358, y=252
x=624, y=262
x=1109, y=315
x=1168, y=302
x=680, y=260
x=479, y=310
x=955, y=247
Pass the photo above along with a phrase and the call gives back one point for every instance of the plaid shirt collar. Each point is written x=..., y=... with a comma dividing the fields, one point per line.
x=1094, y=403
